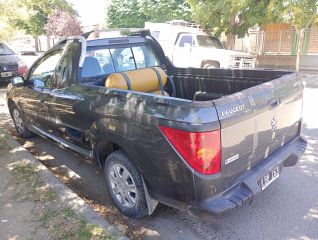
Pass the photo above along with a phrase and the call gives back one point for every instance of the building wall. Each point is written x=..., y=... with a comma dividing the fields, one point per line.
x=313, y=41
x=307, y=62
x=279, y=47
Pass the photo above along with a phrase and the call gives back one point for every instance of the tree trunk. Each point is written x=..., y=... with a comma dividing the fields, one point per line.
x=301, y=36
x=36, y=43
x=230, y=37
x=230, y=41
x=48, y=42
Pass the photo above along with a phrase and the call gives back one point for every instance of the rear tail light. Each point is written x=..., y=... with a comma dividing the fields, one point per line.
x=201, y=150
x=23, y=68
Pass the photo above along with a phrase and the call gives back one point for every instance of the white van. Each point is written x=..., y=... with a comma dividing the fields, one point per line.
x=187, y=45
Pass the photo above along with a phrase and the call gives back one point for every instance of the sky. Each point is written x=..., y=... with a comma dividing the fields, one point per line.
x=90, y=11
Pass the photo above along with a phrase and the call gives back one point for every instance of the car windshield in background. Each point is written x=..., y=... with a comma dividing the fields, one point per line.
x=104, y=61
x=5, y=50
x=209, y=41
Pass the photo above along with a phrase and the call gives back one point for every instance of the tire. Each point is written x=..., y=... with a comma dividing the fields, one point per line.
x=19, y=123
x=211, y=65
x=125, y=185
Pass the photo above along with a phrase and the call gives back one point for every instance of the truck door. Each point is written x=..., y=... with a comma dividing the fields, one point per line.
x=67, y=97
x=36, y=96
x=182, y=51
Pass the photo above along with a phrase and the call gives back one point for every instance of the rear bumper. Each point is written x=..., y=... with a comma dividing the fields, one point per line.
x=8, y=79
x=247, y=185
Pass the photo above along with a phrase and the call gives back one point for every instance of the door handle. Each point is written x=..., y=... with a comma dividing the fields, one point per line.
x=273, y=103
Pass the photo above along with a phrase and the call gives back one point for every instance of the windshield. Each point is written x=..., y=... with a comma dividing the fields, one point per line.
x=209, y=41
x=5, y=50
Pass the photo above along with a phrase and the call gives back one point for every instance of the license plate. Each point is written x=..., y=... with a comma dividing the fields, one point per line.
x=270, y=177
x=6, y=74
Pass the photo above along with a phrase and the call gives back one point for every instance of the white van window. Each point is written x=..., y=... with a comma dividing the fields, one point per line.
x=185, y=39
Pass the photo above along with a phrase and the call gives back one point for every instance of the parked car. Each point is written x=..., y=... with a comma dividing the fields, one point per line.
x=10, y=64
x=24, y=47
x=186, y=45
x=202, y=140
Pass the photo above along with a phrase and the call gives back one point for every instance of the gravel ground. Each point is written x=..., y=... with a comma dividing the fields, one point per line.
x=288, y=209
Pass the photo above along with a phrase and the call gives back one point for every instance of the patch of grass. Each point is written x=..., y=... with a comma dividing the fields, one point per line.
x=25, y=170
x=93, y=232
x=61, y=222
x=45, y=194
x=68, y=212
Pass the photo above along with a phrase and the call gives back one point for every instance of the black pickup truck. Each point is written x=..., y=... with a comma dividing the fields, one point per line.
x=202, y=140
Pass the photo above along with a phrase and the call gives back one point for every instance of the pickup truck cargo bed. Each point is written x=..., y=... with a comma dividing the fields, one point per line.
x=219, y=81
x=259, y=111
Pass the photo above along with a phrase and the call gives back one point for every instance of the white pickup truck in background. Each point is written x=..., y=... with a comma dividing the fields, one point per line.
x=187, y=45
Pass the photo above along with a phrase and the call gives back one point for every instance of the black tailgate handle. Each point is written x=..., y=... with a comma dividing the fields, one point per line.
x=273, y=103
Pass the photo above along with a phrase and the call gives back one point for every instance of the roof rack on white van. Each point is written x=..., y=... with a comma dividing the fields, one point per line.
x=183, y=23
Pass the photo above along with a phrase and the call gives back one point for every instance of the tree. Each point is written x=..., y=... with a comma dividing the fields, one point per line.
x=61, y=23
x=37, y=12
x=6, y=33
x=124, y=14
x=165, y=10
x=301, y=14
x=134, y=13
x=229, y=16
x=32, y=15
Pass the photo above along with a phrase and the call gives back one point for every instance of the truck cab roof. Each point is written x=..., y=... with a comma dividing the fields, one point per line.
x=115, y=40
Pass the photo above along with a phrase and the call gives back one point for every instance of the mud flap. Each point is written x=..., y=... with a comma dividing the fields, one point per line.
x=151, y=203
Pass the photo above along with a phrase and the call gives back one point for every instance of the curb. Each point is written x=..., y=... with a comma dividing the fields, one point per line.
x=65, y=194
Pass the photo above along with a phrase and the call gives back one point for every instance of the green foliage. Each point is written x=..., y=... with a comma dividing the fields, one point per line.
x=165, y=10
x=229, y=16
x=32, y=15
x=134, y=13
x=299, y=13
x=6, y=32
x=124, y=13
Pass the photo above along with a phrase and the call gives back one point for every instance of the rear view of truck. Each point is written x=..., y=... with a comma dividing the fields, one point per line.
x=258, y=133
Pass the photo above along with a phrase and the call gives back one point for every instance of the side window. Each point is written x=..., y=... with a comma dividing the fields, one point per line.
x=145, y=57
x=97, y=62
x=64, y=67
x=45, y=69
x=156, y=34
x=185, y=39
x=123, y=59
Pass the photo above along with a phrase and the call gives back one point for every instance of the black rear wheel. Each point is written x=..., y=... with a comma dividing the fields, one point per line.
x=125, y=186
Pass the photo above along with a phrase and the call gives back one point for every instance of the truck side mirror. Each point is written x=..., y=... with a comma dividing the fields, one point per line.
x=16, y=81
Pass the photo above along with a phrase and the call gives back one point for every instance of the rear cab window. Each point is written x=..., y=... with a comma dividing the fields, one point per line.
x=101, y=61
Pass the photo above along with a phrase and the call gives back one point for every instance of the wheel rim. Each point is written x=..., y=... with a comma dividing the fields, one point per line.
x=18, y=121
x=123, y=185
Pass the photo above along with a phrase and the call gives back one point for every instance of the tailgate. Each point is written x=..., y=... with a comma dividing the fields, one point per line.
x=257, y=121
